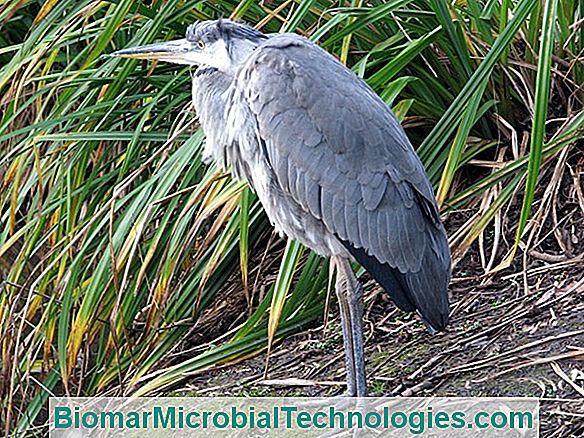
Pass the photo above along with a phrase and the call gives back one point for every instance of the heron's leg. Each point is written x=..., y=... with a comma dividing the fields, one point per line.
x=345, y=310
x=350, y=295
x=355, y=294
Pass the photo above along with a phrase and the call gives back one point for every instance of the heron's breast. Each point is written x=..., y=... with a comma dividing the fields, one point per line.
x=288, y=217
x=247, y=158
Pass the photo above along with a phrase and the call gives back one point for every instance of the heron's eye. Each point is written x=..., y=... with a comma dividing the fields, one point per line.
x=200, y=44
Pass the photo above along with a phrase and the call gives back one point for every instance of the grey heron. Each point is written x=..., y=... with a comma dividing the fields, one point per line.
x=328, y=160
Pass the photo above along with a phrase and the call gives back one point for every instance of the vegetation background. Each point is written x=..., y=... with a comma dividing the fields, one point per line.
x=117, y=244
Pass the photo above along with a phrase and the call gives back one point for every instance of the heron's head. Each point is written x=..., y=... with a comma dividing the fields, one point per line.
x=222, y=44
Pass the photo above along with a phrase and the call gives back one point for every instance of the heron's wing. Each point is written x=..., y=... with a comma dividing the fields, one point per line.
x=337, y=149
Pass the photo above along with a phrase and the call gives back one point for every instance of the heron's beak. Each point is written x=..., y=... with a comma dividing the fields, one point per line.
x=176, y=51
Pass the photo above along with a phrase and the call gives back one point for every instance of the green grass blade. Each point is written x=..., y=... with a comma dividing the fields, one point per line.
x=538, y=129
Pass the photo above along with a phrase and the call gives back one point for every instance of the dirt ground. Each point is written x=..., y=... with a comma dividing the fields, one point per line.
x=519, y=332
x=500, y=343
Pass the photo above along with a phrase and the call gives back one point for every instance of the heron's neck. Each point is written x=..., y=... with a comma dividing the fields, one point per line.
x=209, y=98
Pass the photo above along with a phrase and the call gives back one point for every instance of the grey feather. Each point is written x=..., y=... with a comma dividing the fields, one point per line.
x=334, y=169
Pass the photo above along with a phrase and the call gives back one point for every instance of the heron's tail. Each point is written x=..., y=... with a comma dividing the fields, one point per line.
x=425, y=291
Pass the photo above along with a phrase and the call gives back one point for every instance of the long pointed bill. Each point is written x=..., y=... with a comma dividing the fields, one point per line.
x=171, y=51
